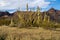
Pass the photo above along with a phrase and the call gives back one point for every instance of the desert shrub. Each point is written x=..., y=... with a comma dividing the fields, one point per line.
x=13, y=22
x=32, y=19
x=52, y=25
x=4, y=22
x=3, y=35
x=48, y=25
x=57, y=25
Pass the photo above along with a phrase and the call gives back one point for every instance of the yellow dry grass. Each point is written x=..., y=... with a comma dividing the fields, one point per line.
x=15, y=33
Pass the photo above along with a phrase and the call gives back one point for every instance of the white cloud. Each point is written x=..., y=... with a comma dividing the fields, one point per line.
x=2, y=3
x=14, y=4
x=34, y=3
x=9, y=4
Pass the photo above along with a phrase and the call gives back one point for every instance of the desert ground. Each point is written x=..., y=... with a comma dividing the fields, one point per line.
x=15, y=33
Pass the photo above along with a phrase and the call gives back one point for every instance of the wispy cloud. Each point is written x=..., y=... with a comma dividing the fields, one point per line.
x=40, y=3
x=9, y=4
x=3, y=3
x=34, y=3
x=15, y=4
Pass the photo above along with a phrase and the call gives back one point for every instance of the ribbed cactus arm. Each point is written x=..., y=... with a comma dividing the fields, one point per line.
x=27, y=6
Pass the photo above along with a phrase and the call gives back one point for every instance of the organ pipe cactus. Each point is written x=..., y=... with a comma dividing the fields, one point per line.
x=21, y=20
x=38, y=18
x=45, y=17
x=27, y=6
x=12, y=23
x=48, y=18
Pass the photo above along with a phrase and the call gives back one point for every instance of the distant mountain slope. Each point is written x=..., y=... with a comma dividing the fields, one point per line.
x=53, y=13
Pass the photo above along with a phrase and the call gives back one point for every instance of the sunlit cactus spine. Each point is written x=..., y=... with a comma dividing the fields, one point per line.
x=11, y=23
x=21, y=20
x=38, y=12
x=48, y=18
x=27, y=6
x=45, y=17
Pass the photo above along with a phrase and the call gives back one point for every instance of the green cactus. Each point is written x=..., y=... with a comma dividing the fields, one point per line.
x=27, y=6
x=39, y=16
x=48, y=18
x=38, y=11
x=45, y=17
x=21, y=20
x=11, y=23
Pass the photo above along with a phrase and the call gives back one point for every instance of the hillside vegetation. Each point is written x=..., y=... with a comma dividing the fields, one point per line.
x=29, y=19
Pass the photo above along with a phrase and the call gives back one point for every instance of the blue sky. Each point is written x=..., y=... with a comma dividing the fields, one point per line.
x=13, y=5
x=54, y=3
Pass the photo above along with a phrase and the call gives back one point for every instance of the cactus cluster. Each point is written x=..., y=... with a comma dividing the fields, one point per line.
x=27, y=6
x=32, y=19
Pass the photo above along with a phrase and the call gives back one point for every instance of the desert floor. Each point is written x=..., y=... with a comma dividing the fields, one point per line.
x=15, y=33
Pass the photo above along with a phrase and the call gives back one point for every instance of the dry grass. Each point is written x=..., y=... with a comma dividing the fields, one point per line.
x=14, y=33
